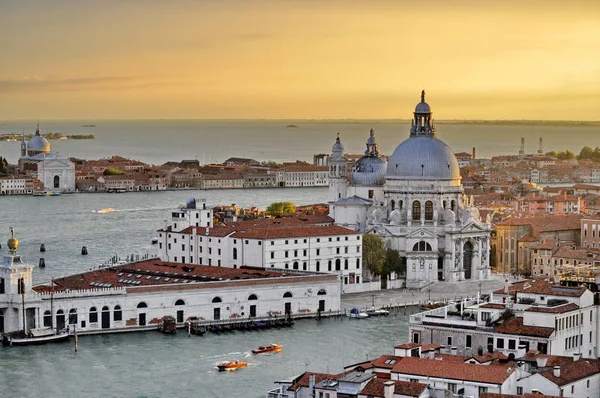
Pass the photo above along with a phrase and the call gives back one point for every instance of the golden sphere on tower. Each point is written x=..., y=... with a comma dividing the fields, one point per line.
x=13, y=243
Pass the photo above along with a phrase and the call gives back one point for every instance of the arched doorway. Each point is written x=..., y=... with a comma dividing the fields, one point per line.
x=105, y=317
x=142, y=313
x=60, y=320
x=467, y=258
x=56, y=182
x=179, y=313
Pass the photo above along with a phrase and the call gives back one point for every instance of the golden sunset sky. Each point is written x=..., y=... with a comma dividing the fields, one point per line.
x=322, y=59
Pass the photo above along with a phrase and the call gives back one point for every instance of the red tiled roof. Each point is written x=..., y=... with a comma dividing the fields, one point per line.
x=496, y=306
x=546, y=223
x=430, y=347
x=391, y=360
x=408, y=346
x=540, y=286
x=305, y=378
x=156, y=272
x=494, y=374
x=375, y=388
x=487, y=357
x=528, y=395
x=515, y=326
x=451, y=357
x=559, y=309
x=573, y=371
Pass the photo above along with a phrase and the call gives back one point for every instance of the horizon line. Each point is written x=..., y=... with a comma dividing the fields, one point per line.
x=305, y=120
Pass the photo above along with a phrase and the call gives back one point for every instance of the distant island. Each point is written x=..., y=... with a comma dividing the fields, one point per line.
x=291, y=126
x=565, y=123
x=48, y=136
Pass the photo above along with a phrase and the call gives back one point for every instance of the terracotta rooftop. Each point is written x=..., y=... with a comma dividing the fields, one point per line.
x=546, y=223
x=573, y=371
x=515, y=326
x=451, y=357
x=540, y=286
x=408, y=346
x=430, y=347
x=156, y=272
x=559, y=309
x=375, y=388
x=488, y=356
x=319, y=377
x=494, y=374
x=386, y=361
x=496, y=306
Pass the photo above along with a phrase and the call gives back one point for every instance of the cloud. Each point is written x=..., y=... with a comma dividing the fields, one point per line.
x=36, y=84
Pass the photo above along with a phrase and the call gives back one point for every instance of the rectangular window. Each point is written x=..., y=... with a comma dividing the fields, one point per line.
x=519, y=390
x=182, y=247
x=219, y=252
x=304, y=252
x=468, y=341
x=286, y=254
x=272, y=242
x=512, y=344
x=318, y=240
x=295, y=253
x=337, y=250
x=318, y=252
x=500, y=343
x=346, y=249
x=452, y=387
x=449, y=341
x=482, y=390
x=272, y=254
x=358, y=249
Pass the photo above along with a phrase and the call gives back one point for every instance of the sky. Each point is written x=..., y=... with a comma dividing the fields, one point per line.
x=299, y=59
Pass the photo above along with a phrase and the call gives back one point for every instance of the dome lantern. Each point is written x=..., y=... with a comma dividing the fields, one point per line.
x=12, y=243
x=422, y=124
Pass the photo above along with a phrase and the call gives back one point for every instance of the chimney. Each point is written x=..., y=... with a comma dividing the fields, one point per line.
x=311, y=382
x=541, y=362
x=506, y=285
x=473, y=153
x=522, y=350
x=576, y=356
x=206, y=233
x=556, y=371
x=443, y=349
x=454, y=351
x=521, y=365
x=388, y=389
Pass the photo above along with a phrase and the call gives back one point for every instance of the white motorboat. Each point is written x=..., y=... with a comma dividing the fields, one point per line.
x=357, y=313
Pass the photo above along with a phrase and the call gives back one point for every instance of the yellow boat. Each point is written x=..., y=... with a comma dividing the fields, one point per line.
x=267, y=348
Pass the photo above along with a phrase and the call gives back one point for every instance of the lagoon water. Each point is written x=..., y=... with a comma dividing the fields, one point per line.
x=150, y=364
x=159, y=141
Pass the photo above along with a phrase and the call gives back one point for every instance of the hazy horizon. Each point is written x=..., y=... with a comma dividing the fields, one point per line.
x=299, y=60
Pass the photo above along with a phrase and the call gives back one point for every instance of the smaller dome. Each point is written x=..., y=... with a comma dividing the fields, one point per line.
x=369, y=170
x=337, y=147
x=422, y=107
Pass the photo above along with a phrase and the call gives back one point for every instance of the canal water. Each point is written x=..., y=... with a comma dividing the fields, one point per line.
x=150, y=364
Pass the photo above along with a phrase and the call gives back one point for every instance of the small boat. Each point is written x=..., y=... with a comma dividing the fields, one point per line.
x=168, y=325
x=105, y=210
x=231, y=365
x=53, y=193
x=267, y=348
x=379, y=312
x=357, y=313
x=35, y=337
x=154, y=241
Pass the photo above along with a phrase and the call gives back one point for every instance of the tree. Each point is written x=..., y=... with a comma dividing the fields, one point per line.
x=373, y=254
x=111, y=171
x=279, y=209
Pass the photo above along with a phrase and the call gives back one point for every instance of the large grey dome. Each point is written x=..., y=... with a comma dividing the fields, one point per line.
x=423, y=157
x=422, y=107
x=369, y=170
x=37, y=143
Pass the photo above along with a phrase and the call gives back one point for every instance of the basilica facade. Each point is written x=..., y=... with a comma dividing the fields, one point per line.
x=57, y=173
x=415, y=202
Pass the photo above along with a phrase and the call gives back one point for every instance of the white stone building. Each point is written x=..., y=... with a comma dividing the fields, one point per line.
x=529, y=315
x=136, y=296
x=57, y=173
x=300, y=243
x=416, y=203
x=15, y=185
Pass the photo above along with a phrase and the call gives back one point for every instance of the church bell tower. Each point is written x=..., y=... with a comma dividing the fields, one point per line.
x=337, y=171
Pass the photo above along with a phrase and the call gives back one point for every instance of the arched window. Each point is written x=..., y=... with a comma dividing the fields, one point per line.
x=47, y=319
x=56, y=182
x=416, y=210
x=117, y=313
x=105, y=308
x=142, y=305
x=235, y=253
x=453, y=205
x=393, y=204
x=429, y=210
x=321, y=292
x=400, y=204
x=444, y=204
x=295, y=265
x=252, y=297
x=180, y=302
x=338, y=264
x=422, y=246
x=73, y=316
x=287, y=295
x=217, y=300
x=93, y=318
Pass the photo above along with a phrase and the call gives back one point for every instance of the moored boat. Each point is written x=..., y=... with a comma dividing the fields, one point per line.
x=168, y=325
x=154, y=241
x=267, y=348
x=35, y=337
x=231, y=365
x=357, y=313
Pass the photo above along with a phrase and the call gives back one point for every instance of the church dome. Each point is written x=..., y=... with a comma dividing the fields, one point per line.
x=38, y=143
x=337, y=146
x=369, y=170
x=422, y=107
x=423, y=157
